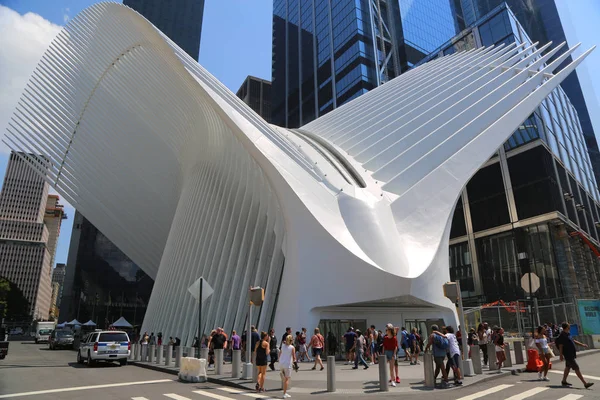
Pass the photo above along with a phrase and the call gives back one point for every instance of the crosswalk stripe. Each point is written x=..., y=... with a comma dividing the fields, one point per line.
x=571, y=397
x=595, y=378
x=176, y=396
x=485, y=392
x=139, y=398
x=212, y=395
x=528, y=393
x=244, y=393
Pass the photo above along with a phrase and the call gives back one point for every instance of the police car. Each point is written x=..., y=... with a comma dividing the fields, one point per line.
x=104, y=346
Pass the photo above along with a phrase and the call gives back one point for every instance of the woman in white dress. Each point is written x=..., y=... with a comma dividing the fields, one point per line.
x=287, y=358
x=541, y=342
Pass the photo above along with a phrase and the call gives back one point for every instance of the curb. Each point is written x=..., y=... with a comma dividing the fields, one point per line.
x=170, y=371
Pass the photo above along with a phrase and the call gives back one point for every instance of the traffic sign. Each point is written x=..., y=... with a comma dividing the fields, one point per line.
x=535, y=282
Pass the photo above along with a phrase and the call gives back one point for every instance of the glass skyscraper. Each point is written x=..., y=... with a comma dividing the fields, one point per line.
x=537, y=197
x=326, y=53
x=256, y=93
x=541, y=22
x=180, y=20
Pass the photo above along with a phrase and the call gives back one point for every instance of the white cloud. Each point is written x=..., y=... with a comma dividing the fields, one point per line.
x=66, y=14
x=23, y=41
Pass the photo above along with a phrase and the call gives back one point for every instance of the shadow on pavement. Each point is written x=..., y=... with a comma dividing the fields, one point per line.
x=75, y=364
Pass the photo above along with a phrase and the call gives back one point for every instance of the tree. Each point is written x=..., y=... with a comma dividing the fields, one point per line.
x=12, y=301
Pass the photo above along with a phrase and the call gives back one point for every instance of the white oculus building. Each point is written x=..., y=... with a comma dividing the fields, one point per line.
x=347, y=217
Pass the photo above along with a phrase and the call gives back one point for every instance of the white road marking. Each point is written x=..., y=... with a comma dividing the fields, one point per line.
x=244, y=392
x=212, y=395
x=485, y=392
x=139, y=398
x=595, y=378
x=528, y=393
x=571, y=397
x=76, y=388
x=176, y=396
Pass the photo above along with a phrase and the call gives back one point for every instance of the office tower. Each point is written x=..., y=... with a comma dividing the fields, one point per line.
x=534, y=206
x=541, y=21
x=256, y=93
x=58, y=276
x=180, y=20
x=102, y=283
x=30, y=222
x=327, y=53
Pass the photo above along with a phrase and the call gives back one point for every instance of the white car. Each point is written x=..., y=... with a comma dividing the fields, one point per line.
x=104, y=346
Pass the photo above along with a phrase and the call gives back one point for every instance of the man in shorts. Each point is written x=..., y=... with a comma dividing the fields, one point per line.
x=350, y=338
x=568, y=352
x=439, y=353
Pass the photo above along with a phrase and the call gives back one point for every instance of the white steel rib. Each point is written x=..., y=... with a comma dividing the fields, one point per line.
x=188, y=181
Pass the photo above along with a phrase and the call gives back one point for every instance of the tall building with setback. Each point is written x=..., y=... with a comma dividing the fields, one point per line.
x=180, y=20
x=534, y=206
x=29, y=227
x=58, y=276
x=256, y=93
x=327, y=53
x=541, y=21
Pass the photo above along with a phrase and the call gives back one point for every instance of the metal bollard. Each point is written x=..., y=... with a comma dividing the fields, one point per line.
x=169, y=355
x=255, y=374
x=428, y=370
x=519, y=359
x=204, y=354
x=331, y=373
x=159, y=354
x=491, y=349
x=144, y=352
x=178, y=354
x=218, y=361
x=476, y=359
x=508, y=361
x=383, y=377
x=236, y=364
x=138, y=354
x=151, y=350
x=132, y=352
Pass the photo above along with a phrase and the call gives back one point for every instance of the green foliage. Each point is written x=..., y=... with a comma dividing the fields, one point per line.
x=13, y=305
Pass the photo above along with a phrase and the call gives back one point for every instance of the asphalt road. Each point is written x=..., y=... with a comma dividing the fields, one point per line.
x=32, y=372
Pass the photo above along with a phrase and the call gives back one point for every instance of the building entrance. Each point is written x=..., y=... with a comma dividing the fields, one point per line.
x=338, y=327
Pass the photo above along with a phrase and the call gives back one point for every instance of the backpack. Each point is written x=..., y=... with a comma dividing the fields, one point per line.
x=441, y=342
x=404, y=338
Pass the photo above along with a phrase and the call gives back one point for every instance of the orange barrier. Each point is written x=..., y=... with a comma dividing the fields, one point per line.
x=534, y=362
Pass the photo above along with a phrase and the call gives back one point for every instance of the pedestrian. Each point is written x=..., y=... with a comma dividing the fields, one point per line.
x=380, y=342
x=404, y=343
x=273, y=345
x=195, y=342
x=171, y=341
x=483, y=341
x=287, y=358
x=219, y=340
x=568, y=353
x=260, y=356
x=302, y=342
x=373, y=343
x=541, y=342
x=331, y=344
x=454, y=352
x=415, y=343
x=397, y=333
x=359, y=350
x=145, y=338
x=152, y=339
x=439, y=343
x=548, y=328
x=317, y=342
x=254, y=337
x=297, y=345
x=499, y=347
x=349, y=338
x=390, y=348
x=236, y=341
x=159, y=339
x=472, y=340
x=288, y=331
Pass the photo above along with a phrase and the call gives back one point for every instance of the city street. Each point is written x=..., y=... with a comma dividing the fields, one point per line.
x=32, y=371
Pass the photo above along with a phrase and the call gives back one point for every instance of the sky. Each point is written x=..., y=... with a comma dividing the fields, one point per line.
x=236, y=42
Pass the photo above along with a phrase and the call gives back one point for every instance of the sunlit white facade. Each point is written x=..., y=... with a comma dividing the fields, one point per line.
x=348, y=215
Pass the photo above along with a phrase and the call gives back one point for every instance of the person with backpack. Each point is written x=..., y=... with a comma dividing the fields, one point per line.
x=415, y=347
x=404, y=343
x=439, y=343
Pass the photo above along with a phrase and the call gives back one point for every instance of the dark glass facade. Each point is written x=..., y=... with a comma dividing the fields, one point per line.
x=326, y=53
x=102, y=283
x=256, y=93
x=180, y=20
x=541, y=21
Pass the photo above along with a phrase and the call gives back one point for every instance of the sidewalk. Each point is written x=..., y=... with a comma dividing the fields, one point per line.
x=348, y=381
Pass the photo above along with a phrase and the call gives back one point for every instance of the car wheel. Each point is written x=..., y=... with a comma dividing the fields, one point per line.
x=90, y=362
x=123, y=362
x=79, y=358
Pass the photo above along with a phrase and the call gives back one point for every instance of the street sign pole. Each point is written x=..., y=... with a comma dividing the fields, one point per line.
x=531, y=302
x=247, y=369
x=200, y=318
